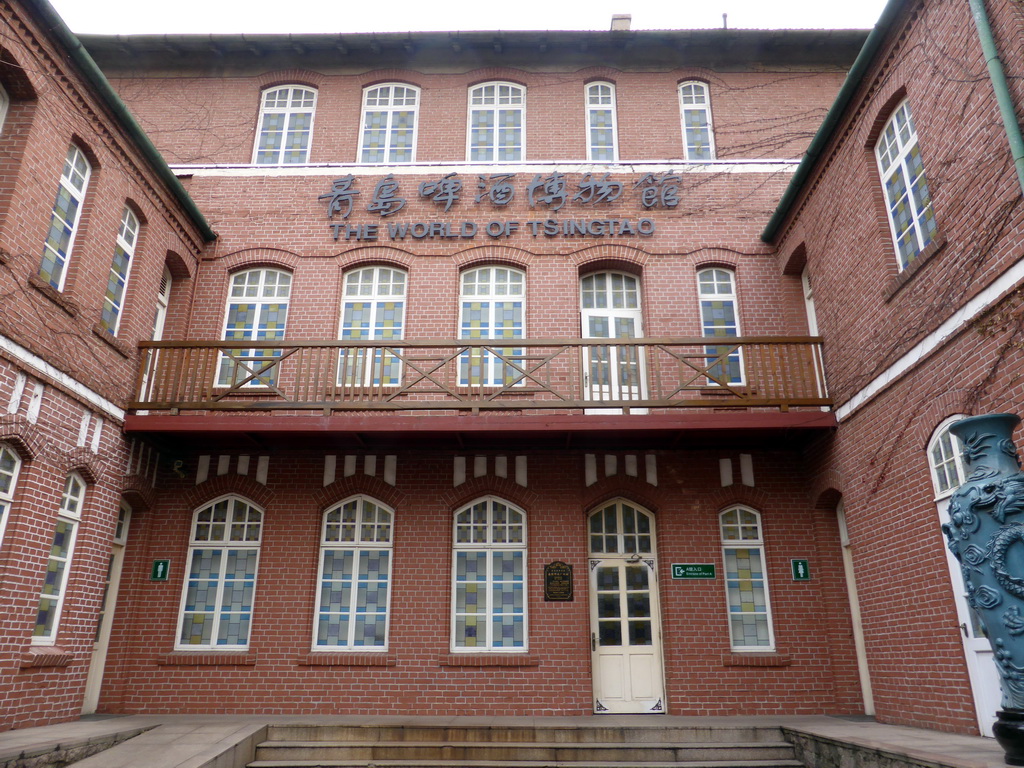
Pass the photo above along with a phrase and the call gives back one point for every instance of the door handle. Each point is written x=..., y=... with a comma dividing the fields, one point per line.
x=963, y=628
x=593, y=641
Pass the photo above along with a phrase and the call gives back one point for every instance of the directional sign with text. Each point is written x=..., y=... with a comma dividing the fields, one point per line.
x=693, y=570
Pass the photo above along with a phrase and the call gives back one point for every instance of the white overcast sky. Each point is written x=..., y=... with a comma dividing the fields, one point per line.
x=125, y=17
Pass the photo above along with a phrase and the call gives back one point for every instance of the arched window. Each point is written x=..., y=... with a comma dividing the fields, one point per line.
x=10, y=465
x=716, y=289
x=286, y=125
x=621, y=528
x=55, y=582
x=908, y=202
x=67, y=213
x=489, y=577
x=497, y=115
x=602, y=130
x=388, y=132
x=945, y=457
x=257, y=311
x=124, y=251
x=373, y=309
x=695, y=112
x=492, y=306
x=217, y=599
x=746, y=583
x=355, y=576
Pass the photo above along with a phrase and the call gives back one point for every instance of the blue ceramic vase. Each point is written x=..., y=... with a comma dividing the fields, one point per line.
x=986, y=534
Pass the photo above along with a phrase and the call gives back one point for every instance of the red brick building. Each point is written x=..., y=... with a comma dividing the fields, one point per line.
x=487, y=373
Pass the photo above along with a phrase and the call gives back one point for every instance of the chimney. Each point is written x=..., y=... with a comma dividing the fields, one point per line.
x=621, y=22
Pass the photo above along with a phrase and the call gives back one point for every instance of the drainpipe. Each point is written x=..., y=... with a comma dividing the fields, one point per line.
x=998, y=77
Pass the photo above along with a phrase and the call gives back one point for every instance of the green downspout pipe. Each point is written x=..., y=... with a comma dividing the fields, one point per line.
x=80, y=56
x=998, y=77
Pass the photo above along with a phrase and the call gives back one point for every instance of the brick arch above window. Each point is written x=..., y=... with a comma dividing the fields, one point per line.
x=16, y=79
x=486, y=255
x=249, y=258
x=226, y=485
x=84, y=463
x=371, y=255
x=24, y=436
x=882, y=113
x=482, y=487
x=180, y=267
x=621, y=257
x=297, y=76
x=629, y=490
x=716, y=263
x=496, y=75
x=358, y=485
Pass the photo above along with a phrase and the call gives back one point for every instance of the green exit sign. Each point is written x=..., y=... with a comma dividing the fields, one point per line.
x=693, y=570
x=161, y=570
x=801, y=570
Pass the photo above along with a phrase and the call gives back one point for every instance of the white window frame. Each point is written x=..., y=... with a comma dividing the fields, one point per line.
x=371, y=531
x=709, y=329
x=255, y=287
x=5, y=105
x=945, y=459
x=600, y=97
x=391, y=101
x=746, y=542
x=506, y=97
x=695, y=98
x=619, y=542
x=163, y=301
x=490, y=545
x=10, y=468
x=298, y=101
x=895, y=147
x=232, y=531
x=120, y=270
x=69, y=515
x=500, y=289
x=74, y=182
x=380, y=289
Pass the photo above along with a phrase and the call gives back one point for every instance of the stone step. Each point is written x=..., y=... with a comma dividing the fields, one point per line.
x=789, y=763
x=499, y=752
x=569, y=734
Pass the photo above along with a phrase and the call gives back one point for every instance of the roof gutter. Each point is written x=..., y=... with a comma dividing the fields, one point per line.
x=80, y=56
x=833, y=118
x=998, y=77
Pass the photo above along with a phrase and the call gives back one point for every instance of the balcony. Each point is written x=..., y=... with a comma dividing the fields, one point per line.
x=516, y=386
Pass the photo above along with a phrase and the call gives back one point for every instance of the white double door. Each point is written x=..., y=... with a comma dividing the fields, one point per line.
x=625, y=620
x=610, y=309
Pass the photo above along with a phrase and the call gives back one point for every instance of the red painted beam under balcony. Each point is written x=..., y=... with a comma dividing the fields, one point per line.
x=674, y=429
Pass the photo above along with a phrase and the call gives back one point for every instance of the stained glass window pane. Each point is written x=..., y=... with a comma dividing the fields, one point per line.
x=496, y=122
x=746, y=582
x=489, y=582
x=908, y=200
x=286, y=124
x=262, y=316
x=67, y=210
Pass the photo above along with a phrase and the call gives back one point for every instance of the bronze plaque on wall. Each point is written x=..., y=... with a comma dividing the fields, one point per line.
x=558, y=582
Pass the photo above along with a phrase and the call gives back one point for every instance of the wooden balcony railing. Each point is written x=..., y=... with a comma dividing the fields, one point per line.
x=512, y=374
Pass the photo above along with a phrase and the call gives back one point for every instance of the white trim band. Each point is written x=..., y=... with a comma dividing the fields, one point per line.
x=952, y=326
x=43, y=368
x=484, y=169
